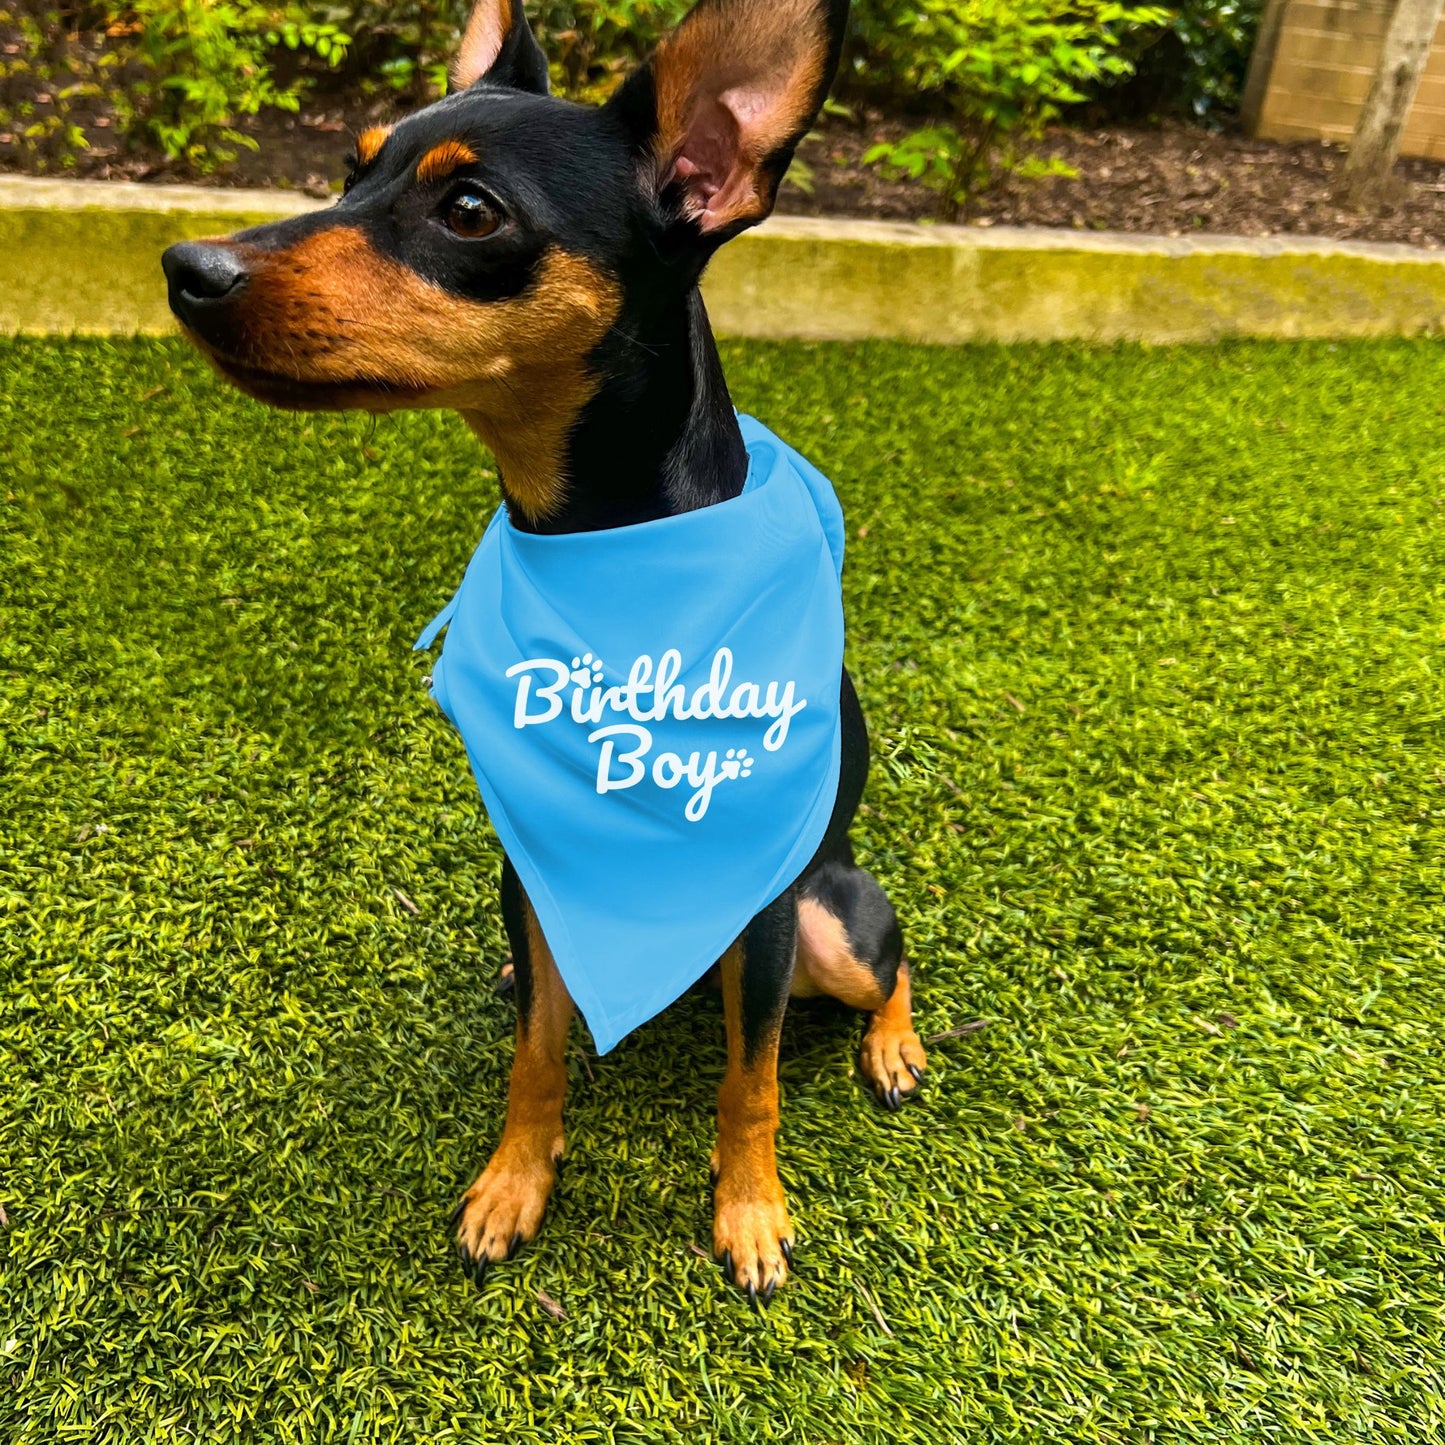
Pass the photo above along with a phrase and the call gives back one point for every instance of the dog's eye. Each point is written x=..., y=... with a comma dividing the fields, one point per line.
x=353, y=165
x=471, y=214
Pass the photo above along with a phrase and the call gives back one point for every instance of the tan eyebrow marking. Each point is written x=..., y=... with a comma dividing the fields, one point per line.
x=369, y=142
x=443, y=159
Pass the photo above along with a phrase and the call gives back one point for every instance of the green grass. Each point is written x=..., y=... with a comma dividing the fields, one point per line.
x=1150, y=642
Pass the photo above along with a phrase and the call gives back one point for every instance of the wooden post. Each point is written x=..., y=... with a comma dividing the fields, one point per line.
x=1376, y=141
x=1261, y=65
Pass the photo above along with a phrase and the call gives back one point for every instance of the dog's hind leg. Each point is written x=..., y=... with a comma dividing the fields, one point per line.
x=752, y=1235
x=503, y=1208
x=850, y=946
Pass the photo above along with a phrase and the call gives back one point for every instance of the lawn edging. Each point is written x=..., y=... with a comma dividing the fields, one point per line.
x=83, y=257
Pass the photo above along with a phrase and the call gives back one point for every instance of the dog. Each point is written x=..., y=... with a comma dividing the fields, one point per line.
x=534, y=265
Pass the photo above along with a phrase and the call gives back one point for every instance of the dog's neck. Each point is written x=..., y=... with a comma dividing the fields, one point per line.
x=657, y=438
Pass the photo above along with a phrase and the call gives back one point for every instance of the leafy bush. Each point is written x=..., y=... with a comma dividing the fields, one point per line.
x=593, y=43
x=180, y=74
x=998, y=71
x=183, y=74
x=590, y=43
x=45, y=82
x=176, y=73
x=406, y=44
x=206, y=63
x=1201, y=62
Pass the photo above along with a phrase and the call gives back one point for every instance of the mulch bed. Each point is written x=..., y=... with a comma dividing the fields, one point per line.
x=1171, y=179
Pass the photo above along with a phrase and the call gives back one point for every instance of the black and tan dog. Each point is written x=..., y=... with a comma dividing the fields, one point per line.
x=534, y=265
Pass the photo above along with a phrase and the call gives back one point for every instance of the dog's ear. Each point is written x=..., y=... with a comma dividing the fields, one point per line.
x=718, y=110
x=498, y=47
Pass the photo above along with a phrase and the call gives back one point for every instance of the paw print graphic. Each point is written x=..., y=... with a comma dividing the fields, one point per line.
x=586, y=670
x=743, y=760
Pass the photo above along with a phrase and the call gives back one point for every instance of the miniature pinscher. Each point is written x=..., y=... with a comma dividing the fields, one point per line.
x=534, y=265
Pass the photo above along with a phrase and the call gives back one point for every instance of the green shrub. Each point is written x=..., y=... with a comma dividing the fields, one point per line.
x=407, y=45
x=590, y=44
x=178, y=74
x=46, y=77
x=182, y=74
x=997, y=71
x=204, y=64
x=1211, y=44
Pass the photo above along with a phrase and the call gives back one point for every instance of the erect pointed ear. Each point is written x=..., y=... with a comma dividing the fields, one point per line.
x=498, y=47
x=719, y=109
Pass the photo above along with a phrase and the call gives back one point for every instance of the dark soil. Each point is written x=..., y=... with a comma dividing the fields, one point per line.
x=1170, y=179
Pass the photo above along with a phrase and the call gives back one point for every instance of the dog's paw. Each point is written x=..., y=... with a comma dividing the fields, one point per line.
x=753, y=1239
x=502, y=1210
x=892, y=1061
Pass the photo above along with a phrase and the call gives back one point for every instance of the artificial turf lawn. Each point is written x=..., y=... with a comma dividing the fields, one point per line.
x=1150, y=645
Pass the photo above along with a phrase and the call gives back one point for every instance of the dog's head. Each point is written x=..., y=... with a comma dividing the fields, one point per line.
x=486, y=245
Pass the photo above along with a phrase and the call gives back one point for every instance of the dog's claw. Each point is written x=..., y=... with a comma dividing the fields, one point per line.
x=893, y=1099
x=727, y=1267
x=472, y=1269
x=767, y=1294
x=786, y=1245
x=514, y=1246
x=916, y=1072
x=752, y=1295
x=456, y=1213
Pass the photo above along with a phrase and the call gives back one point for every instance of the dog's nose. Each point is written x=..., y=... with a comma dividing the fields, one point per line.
x=199, y=274
x=202, y=270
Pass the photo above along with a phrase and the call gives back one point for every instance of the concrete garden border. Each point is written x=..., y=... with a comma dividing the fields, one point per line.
x=82, y=257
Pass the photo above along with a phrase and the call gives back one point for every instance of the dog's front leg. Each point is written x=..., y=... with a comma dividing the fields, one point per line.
x=504, y=1208
x=751, y=1232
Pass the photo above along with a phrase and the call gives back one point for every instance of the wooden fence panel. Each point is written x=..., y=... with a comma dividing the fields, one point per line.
x=1324, y=58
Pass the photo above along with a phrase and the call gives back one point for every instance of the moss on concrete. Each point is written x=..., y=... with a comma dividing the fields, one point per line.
x=965, y=287
x=96, y=271
x=85, y=258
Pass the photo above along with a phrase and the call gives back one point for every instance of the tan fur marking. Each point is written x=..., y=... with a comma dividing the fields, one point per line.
x=890, y=1045
x=333, y=311
x=750, y=1214
x=826, y=964
x=441, y=160
x=726, y=52
x=482, y=40
x=510, y=1195
x=370, y=142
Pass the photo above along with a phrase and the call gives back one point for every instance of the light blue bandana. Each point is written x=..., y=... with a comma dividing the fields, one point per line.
x=652, y=716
